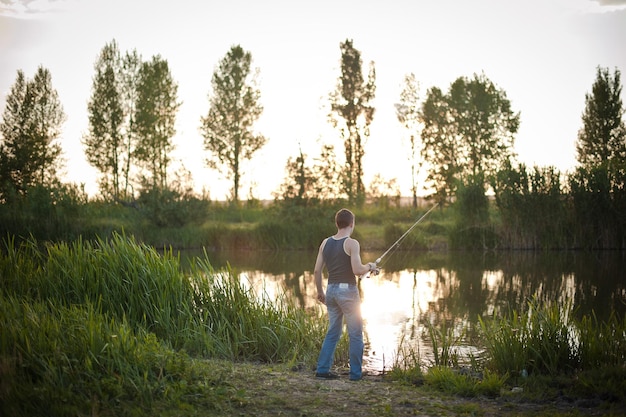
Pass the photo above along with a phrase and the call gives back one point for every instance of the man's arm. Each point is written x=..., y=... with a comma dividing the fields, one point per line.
x=353, y=249
x=317, y=273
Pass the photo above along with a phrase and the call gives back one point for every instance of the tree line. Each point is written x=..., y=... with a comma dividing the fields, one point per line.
x=463, y=137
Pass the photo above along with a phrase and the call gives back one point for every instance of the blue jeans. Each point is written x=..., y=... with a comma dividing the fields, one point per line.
x=343, y=300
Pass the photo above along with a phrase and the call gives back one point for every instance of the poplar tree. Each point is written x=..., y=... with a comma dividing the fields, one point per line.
x=352, y=114
x=234, y=107
x=110, y=140
x=155, y=119
x=104, y=140
x=597, y=185
x=602, y=138
x=30, y=128
x=408, y=114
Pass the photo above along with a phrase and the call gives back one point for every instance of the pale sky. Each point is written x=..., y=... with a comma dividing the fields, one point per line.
x=542, y=53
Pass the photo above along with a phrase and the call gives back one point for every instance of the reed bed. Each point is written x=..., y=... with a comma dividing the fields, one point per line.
x=90, y=324
x=548, y=340
x=536, y=347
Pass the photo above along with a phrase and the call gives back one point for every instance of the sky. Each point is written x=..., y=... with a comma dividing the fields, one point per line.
x=543, y=53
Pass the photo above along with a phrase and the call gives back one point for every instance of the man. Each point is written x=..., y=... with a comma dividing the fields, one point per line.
x=340, y=255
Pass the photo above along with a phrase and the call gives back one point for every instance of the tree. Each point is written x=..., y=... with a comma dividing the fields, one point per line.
x=110, y=140
x=155, y=117
x=602, y=139
x=234, y=107
x=439, y=145
x=407, y=112
x=299, y=180
x=468, y=132
x=304, y=182
x=31, y=124
x=131, y=64
x=103, y=142
x=327, y=174
x=352, y=114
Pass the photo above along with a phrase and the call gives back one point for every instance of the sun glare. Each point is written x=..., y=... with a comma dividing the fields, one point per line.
x=390, y=307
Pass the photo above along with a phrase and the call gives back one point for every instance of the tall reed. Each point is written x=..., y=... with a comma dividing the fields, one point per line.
x=241, y=323
x=548, y=339
x=93, y=323
x=207, y=312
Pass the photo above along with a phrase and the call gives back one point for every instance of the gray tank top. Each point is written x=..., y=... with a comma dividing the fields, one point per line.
x=337, y=262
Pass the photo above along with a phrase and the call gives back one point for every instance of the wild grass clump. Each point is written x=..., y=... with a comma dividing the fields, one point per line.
x=601, y=343
x=207, y=312
x=547, y=339
x=544, y=351
x=58, y=361
x=241, y=323
x=126, y=280
x=463, y=382
x=407, y=365
x=89, y=325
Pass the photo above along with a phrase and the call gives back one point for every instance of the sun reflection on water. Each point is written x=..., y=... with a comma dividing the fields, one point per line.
x=392, y=305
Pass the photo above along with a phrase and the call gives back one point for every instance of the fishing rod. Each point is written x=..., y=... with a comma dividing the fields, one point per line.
x=402, y=237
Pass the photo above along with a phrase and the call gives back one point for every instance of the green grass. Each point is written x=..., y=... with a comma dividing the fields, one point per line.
x=113, y=320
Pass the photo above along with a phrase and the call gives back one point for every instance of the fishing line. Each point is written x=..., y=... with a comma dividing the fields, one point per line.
x=397, y=242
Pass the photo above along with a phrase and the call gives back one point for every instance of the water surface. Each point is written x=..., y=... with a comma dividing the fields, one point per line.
x=451, y=289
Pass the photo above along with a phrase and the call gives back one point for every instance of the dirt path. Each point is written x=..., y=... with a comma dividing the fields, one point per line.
x=272, y=392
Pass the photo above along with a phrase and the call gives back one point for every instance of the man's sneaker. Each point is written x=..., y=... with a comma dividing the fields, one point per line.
x=326, y=375
x=364, y=373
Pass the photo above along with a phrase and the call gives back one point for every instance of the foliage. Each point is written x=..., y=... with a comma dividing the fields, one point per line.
x=131, y=282
x=298, y=180
x=543, y=351
x=443, y=340
x=296, y=227
x=532, y=207
x=472, y=229
x=602, y=139
x=155, y=118
x=110, y=140
x=352, y=114
x=47, y=213
x=464, y=383
x=384, y=194
x=467, y=132
x=31, y=124
x=598, y=197
x=408, y=114
x=104, y=327
x=234, y=107
x=306, y=185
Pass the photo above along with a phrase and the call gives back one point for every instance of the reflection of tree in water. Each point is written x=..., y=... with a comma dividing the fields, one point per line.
x=589, y=280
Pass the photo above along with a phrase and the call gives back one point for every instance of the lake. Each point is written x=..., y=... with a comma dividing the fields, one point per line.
x=415, y=289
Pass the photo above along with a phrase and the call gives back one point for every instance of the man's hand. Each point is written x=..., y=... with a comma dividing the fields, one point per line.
x=374, y=269
x=321, y=297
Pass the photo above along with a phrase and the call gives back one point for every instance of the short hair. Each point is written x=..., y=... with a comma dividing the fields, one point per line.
x=344, y=218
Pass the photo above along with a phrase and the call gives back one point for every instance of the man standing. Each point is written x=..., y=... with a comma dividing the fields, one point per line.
x=341, y=256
